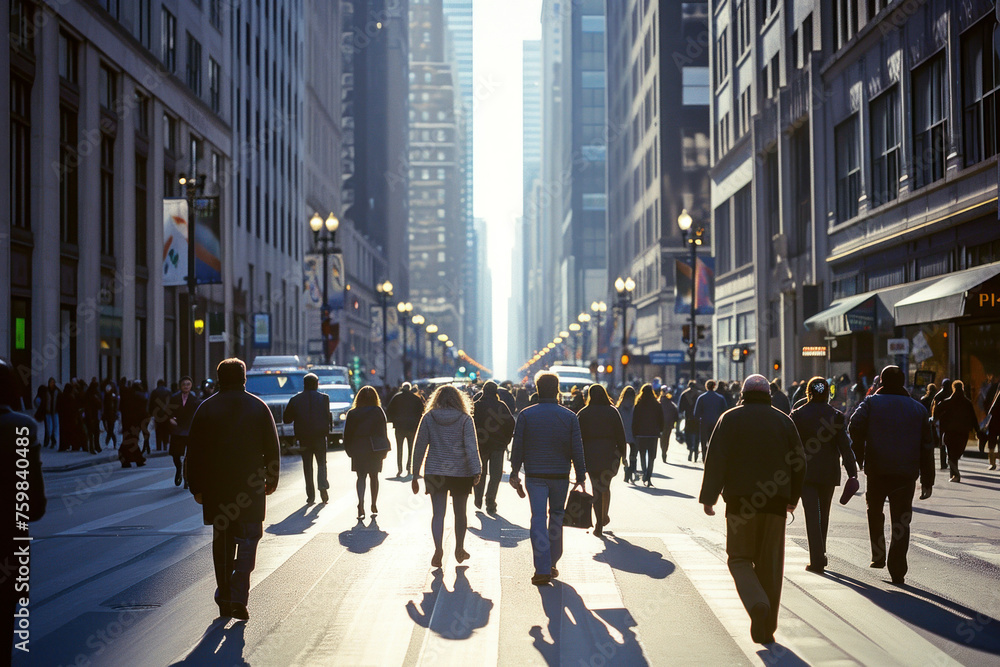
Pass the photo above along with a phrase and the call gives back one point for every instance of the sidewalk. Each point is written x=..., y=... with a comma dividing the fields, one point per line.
x=56, y=461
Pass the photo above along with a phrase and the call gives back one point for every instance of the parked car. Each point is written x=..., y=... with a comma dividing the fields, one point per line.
x=341, y=398
x=276, y=361
x=331, y=374
x=275, y=387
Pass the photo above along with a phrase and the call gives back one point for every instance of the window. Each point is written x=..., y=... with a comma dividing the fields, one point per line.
x=106, y=88
x=743, y=226
x=143, y=24
x=743, y=32
x=746, y=327
x=214, y=83
x=193, y=64
x=980, y=86
x=141, y=114
x=107, y=195
x=215, y=14
x=67, y=57
x=594, y=202
x=69, y=161
x=766, y=8
x=722, y=57
x=141, y=217
x=930, y=122
x=885, y=147
x=20, y=152
x=845, y=21
x=848, y=168
x=169, y=133
x=168, y=26
x=22, y=26
x=807, y=38
x=695, y=86
x=743, y=113
x=694, y=149
x=722, y=137
x=722, y=239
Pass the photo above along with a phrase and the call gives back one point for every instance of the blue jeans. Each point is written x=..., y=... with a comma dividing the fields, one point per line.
x=547, y=498
x=234, y=550
x=51, y=428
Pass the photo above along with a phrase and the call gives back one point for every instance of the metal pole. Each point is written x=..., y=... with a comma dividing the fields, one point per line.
x=623, y=303
x=325, y=312
x=404, y=344
x=385, y=340
x=192, y=280
x=693, y=350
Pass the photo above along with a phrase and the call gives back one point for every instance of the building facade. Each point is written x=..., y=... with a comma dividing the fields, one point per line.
x=658, y=161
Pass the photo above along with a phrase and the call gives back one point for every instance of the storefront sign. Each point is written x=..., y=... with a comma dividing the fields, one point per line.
x=921, y=348
x=899, y=346
x=814, y=351
x=261, y=330
x=862, y=316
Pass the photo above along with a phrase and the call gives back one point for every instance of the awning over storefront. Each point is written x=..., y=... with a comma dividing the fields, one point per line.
x=858, y=312
x=947, y=298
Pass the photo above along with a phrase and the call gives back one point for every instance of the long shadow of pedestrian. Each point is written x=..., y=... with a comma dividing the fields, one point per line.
x=779, y=654
x=453, y=614
x=624, y=556
x=653, y=491
x=362, y=539
x=498, y=529
x=581, y=636
x=681, y=465
x=949, y=515
x=222, y=644
x=297, y=522
x=932, y=613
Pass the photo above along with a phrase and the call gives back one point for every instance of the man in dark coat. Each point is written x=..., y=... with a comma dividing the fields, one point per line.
x=823, y=431
x=755, y=460
x=233, y=464
x=707, y=411
x=778, y=398
x=19, y=436
x=159, y=407
x=686, y=408
x=893, y=445
x=670, y=418
x=404, y=412
x=133, y=408
x=182, y=408
x=494, y=430
x=309, y=410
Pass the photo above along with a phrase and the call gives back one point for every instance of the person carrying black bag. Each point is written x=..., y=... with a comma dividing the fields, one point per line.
x=366, y=442
x=494, y=430
x=603, y=449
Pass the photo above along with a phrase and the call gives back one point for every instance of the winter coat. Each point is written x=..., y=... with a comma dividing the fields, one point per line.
x=603, y=438
x=891, y=435
x=686, y=408
x=546, y=441
x=957, y=419
x=647, y=418
x=823, y=432
x=183, y=412
x=670, y=414
x=309, y=411
x=754, y=451
x=447, y=437
x=494, y=424
x=232, y=456
x=359, y=427
x=708, y=409
x=404, y=411
x=627, y=411
x=159, y=405
x=780, y=401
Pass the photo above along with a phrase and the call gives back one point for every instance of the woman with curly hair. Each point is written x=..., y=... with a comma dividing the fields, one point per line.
x=446, y=436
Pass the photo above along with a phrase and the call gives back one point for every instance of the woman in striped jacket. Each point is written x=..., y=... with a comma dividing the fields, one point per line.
x=446, y=436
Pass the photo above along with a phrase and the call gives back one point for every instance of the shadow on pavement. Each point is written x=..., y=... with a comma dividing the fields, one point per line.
x=932, y=613
x=498, y=529
x=362, y=539
x=624, y=556
x=587, y=639
x=297, y=522
x=688, y=467
x=453, y=614
x=654, y=491
x=948, y=515
x=222, y=644
x=778, y=654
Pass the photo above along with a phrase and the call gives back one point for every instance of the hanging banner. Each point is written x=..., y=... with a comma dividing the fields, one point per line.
x=208, y=241
x=704, y=287
x=312, y=281
x=175, y=242
x=261, y=330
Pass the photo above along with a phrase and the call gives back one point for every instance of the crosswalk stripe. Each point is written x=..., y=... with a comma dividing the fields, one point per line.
x=933, y=550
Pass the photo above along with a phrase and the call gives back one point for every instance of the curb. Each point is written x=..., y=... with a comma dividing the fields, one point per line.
x=93, y=462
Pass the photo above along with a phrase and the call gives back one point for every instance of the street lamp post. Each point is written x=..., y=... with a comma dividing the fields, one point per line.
x=326, y=244
x=404, y=308
x=694, y=239
x=584, y=320
x=599, y=308
x=193, y=186
x=384, y=291
x=418, y=321
x=432, y=329
x=624, y=288
x=443, y=338
x=574, y=328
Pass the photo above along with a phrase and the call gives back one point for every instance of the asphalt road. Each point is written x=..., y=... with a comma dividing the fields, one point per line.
x=122, y=575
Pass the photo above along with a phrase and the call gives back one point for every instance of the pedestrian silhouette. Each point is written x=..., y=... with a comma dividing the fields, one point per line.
x=361, y=539
x=453, y=614
x=222, y=644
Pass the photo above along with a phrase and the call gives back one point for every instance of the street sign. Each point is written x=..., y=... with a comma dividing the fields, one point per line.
x=666, y=357
x=899, y=346
x=814, y=351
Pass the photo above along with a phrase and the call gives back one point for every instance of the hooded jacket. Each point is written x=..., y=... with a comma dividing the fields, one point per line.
x=448, y=439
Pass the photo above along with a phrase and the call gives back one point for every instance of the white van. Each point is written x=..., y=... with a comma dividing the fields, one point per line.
x=271, y=362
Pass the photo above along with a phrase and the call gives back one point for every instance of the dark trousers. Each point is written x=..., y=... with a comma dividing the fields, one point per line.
x=162, y=437
x=633, y=459
x=756, y=549
x=664, y=444
x=899, y=492
x=600, y=484
x=309, y=450
x=234, y=552
x=493, y=462
x=816, y=499
x=691, y=439
x=439, y=504
x=408, y=436
x=647, y=454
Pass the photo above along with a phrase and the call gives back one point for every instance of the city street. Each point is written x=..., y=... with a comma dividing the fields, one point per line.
x=122, y=575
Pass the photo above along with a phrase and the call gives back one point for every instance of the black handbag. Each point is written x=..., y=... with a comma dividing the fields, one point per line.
x=579, y=509
x=380, y=443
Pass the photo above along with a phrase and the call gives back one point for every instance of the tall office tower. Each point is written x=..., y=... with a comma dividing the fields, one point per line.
x=438, y=239
x=658, y=159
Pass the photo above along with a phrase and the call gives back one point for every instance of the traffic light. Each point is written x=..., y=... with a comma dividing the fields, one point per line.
x=609, y=368
x=686, y=333
x=776, y=366
x=701, y=331
x=625, y=359
x=744, y=352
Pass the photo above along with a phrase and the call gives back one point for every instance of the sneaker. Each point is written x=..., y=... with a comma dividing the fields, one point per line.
x=877, y=564
x=759, y=616
x=541, y=579
x=816, y=569
x=239, y=611
x=956, y=478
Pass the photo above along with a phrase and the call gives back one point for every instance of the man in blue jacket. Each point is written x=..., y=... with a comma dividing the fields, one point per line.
x=892, y=442
x=546, y=441
x=707, y=410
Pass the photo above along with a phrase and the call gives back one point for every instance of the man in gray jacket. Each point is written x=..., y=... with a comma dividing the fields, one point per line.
x=309, y=410
x=546, y=441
